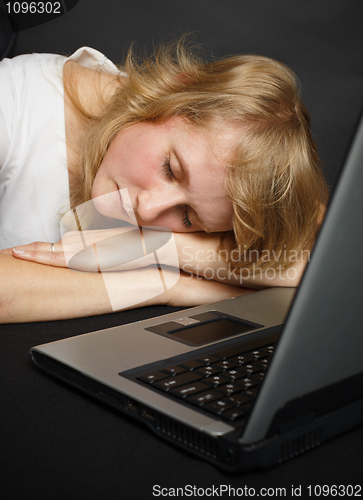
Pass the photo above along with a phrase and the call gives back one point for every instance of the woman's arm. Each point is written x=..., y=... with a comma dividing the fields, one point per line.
x=35, y=292
x=32, y=292
x=198, y=254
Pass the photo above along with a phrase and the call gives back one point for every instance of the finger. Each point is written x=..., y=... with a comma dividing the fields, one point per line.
x=7, y=251
x=55, y=259
x=40, y=246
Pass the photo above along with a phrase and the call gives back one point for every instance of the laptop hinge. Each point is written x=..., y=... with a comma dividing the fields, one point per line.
x=305, y=409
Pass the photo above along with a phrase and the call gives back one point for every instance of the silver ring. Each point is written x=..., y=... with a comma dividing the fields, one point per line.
x=52, y=245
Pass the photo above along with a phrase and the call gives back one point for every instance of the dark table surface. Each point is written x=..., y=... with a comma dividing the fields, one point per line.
x=58, y=443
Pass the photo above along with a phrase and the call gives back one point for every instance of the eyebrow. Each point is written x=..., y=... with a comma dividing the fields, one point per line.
x=186, y=177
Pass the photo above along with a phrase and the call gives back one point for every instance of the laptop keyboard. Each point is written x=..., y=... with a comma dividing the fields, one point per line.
x=225, y=383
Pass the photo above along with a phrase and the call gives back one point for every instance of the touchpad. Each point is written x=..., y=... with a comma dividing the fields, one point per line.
x=204, y=328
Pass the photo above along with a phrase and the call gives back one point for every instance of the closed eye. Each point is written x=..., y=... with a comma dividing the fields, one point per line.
x=170, y=175
x=167, y=169
x=186, y=221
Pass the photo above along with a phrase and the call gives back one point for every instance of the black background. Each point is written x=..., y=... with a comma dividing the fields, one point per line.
x=321, y=40
x=57, y=443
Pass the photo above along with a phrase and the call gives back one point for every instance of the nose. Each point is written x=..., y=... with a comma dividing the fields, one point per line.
x=154, y=203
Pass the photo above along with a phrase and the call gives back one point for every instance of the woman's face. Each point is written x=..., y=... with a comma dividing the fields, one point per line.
x=174, y=178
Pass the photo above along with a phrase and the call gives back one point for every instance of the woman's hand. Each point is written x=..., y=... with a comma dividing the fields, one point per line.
x=40, y=252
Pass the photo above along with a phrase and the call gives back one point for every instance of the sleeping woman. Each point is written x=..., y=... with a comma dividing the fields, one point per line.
x=220, y=153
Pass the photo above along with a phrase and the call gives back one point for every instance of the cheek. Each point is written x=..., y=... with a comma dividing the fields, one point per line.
x=103, y=182
x=130, y=162
x=96, y=186
x=141, y=172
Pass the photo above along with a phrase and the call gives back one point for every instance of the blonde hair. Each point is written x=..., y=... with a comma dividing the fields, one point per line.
x=273, y=179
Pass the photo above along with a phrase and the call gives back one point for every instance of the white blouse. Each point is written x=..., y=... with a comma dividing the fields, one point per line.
x=34, y=186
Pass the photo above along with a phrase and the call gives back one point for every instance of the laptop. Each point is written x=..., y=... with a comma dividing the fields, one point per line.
x=252, y=381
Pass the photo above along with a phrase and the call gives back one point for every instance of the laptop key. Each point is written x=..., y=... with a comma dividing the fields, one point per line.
x=235, y=374
x=174, y=370
x=218, y=406
x=229, y=389
x=262, y=364
x=239, y=400
x=239, y=360
x=191, y=365
x=255, y=355
x=204, y=397
x=172, y=382
x=224, y=365
x=258, y=377
x=214, y=381
x=207, y=371
x=252, y=368
x=150, y=378
x=271, y=349
x=234, y=414
x=208, y=360
x=246, y=383
x=188, y=390
x=251, y=392
x=265, y=351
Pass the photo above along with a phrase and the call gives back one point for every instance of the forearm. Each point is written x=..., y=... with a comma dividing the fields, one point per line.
x=192, y=290
x=198, y=253
x=32, y=292
x=35, y=292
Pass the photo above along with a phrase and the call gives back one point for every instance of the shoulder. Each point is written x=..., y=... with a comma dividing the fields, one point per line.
x=91, y=87
x=26, y=68
x=89, y=78
x=93, y=59
x=31, y=93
